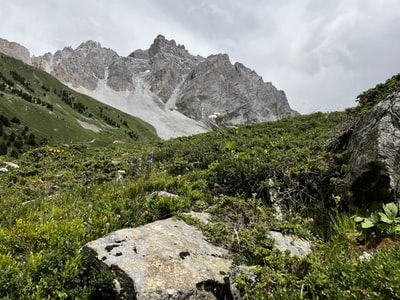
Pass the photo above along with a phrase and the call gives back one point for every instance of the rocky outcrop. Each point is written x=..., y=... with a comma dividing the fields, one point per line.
x=169, y=65
x=15, y=50
x=166, y=259
x=374, y=154
x=84, y=66
x=210, y=92
x=296, y=246
x=230, y=94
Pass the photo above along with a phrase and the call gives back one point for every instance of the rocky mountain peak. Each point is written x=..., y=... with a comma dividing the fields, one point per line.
x=181, y=90
x=60, y=54
x=221, y=94
x=140, y=54
x=220, y=58
x=90, y=46
x=80, y=67
x=162, y=46
x=15, y=50
x=215, y=63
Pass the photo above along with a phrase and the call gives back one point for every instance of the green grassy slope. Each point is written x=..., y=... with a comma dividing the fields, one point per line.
x=56, y=114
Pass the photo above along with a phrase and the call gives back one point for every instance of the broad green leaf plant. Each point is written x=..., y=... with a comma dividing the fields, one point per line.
x=381, y=222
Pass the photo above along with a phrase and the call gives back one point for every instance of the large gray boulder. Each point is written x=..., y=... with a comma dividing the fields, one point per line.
x=374, y=149
x=166, y=259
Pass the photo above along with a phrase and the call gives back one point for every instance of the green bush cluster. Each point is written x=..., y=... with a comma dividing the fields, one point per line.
x=370, y=97
x=384, y=221
x=14, y=137
x=62, y=197
x=244, y=160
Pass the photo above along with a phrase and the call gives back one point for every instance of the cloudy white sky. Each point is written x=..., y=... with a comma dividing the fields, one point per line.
x=321, y=53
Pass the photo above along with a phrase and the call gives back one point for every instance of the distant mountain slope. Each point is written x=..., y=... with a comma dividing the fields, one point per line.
x=15, y=50
x=178, y=93
x=42, y=106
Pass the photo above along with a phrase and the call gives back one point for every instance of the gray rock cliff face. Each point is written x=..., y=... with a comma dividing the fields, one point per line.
x=232, y=93
x=374, y=148
x=209, y=91
x=169, y=65
x=15, y=50
x=84, y=66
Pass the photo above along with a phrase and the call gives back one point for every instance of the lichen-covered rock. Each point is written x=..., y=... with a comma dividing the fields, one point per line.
x=166, y=259
x=296, y=246
x=374, y=149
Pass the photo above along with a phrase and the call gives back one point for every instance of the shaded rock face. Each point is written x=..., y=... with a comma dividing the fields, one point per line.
x=170, y=76
x=163, y=260
x=169, y=65
x=15, y=50
x=232, y=93
x=374, y=148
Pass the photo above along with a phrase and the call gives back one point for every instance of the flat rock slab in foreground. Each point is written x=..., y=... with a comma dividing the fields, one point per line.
x=166, y=259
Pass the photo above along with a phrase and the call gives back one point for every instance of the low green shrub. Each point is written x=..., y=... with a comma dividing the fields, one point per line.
x=56, y=201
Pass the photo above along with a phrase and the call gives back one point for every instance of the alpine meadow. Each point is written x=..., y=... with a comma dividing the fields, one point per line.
x=74, y=170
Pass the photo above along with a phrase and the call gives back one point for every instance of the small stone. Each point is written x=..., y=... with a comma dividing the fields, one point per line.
x=297, y=247
x=365, y=256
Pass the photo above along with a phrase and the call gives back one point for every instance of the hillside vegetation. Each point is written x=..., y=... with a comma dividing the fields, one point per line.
x=36, y=109
x=58, y=197
x=372, y=96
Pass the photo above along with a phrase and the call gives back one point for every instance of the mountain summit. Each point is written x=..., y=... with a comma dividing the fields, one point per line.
x=15, y=50
x=175, y=91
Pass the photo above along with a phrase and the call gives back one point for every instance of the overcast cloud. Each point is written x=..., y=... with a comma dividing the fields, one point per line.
x=321, y=53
